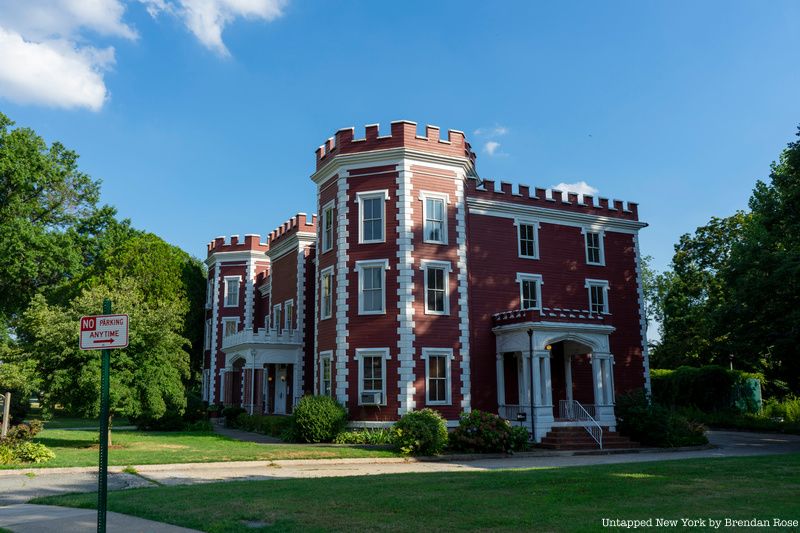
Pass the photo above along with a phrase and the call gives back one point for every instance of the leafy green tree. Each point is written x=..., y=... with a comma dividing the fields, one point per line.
x=147, y=377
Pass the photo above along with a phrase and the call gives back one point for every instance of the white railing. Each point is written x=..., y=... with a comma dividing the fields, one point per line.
x=262, y=336
x=572, y=410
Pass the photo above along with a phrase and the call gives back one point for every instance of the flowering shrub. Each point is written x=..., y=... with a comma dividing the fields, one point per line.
x=420, y=433
x=18, y=448
x=481, y=432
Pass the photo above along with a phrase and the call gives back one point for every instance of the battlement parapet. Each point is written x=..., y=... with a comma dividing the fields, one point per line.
x=403, y=134
x=297, y=224
x=251, y=242
x=552, y=199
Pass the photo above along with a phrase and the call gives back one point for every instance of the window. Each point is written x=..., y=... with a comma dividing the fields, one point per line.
x=325, y=374
x=371, y=214
x=437, y=301
x=327, y=227
x=527, y=238
x=288, y=307
x=230, y=326
x=594, y=247
x=598, y=296
x=437, y=375
x=326, y=293
x=372, y=372
x=209, y=290
x=207, y=335
x=232, y=291
x=276, y=318
x=372, y=286
x=434, y=216
x=530, y=291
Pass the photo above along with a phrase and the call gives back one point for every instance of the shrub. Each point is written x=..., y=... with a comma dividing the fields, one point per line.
x=32, y=452
x=317, y=419
x=265, y=424
x=520, y=439
x=231, y=413
x=17, y=446
x=654, y=425
x=365, y=436
x=481, y=432
x=787, y=410
x=23, y=432
x=420, y=433
x=709, y=388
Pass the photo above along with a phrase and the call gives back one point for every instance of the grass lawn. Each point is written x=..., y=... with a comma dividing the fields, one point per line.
x=564, y=499
x=80, y=448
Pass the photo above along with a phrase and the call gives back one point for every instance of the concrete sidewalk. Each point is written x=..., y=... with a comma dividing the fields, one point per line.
x=27, y=518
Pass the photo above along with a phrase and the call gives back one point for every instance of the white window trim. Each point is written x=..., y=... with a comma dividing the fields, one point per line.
x=528, y=222
x=287, y=319
x=585, y=231
x=227, y=319
x=329, y=272
x=384, y=195
x=327, y=355
x=276, y=323
x=598, y=283
x=207, y=335
x=447, y=267
x=521, y=276
x=209, y=293
x=360, y=265
x=327, y=246
x=448, y=354
x=381, y=352
x=238, y=279
x=424, y=196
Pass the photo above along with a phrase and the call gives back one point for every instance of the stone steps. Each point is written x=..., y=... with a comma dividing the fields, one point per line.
x=577, y=438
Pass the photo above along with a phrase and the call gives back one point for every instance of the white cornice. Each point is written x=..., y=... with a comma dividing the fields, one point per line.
x=240, y=255
x=387, y=156
x=481, y=206
x=575, y=327
x=290, y=244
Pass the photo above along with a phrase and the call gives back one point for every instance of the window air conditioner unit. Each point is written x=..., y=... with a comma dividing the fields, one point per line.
x=371, y=398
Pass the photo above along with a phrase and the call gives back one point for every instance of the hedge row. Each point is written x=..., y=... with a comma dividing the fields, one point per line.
x=708, y=388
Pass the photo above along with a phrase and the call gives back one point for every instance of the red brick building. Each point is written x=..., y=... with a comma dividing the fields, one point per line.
x=421, y=285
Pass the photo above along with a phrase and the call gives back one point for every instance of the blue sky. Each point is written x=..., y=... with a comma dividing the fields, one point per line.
x=201, y=117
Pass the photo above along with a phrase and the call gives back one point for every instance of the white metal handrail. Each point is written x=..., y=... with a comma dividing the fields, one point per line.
x=573, y=410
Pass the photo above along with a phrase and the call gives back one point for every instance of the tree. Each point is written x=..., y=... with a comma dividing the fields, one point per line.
x=147, y=377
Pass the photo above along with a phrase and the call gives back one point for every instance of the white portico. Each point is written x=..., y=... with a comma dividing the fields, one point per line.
x=547, y=371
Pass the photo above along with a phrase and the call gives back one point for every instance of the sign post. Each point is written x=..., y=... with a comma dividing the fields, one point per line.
x=103, y=333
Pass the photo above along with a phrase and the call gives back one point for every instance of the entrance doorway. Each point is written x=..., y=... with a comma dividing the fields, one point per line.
x=571, y=374
x=281, y=376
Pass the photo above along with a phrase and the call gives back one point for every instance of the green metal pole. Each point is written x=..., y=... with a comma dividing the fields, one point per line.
x=102, y=480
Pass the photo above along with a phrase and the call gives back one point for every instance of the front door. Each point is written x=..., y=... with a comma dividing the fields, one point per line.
x=280, y=390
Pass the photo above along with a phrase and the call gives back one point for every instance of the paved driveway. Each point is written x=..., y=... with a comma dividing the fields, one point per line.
x=17, y=487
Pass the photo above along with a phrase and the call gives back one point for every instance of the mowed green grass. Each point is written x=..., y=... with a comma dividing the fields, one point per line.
x=564, y=499
x=80, y=448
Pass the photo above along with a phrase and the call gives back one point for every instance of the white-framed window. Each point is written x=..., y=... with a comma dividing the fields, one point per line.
x=372, y=371
x=434, y=217
x=207, y=335
x=595, y=250
x=530, y=290
x=326, y=293
x=372, y=216
x=276, y=317
x=527, y=238
x=598, y=295
x=288, y=309
x=327, y=227
x=230, y=326
x=266, y=322
x=232, y=290
x=326, y=373
x=209, y=291
x=437, y=375
x=437, y=287
x=372, y=286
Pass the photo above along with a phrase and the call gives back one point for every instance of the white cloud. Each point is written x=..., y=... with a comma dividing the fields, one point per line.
x=579, y=187
x=491, y=148
x=207, y=19
x=494, y=131
x=44, y=56
x=53, y=73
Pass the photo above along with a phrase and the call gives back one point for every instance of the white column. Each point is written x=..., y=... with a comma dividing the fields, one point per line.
x=501, y=382
x=608, y=380
x=548, y=382
x=252, y=381
x=597, y=375
x=568, y=375
x=526, y=378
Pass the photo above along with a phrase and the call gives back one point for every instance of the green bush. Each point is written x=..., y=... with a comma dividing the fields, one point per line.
x=654, y=425
x=481, y=432
x=377, y=436
x=23, y=432
x=520, y=439
x=709, y=388
x=231, y=414
x=32, y=452
x=787, y=410
x=17, y=447
x=264, y=424
x=420, y=433
x=732, y=419
x=317, y=419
